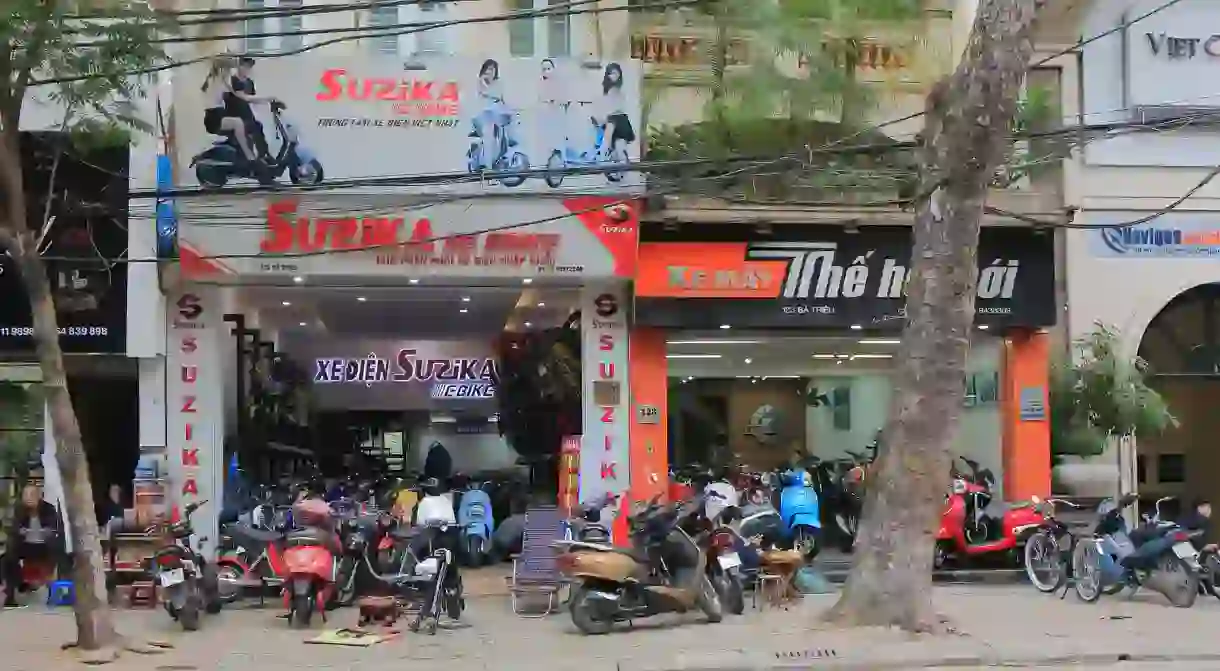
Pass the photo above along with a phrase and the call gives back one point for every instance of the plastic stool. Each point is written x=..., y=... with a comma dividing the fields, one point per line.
x=61, y=593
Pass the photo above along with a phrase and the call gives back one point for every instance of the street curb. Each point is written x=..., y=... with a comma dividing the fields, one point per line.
x=947, y=661
x=982, y=576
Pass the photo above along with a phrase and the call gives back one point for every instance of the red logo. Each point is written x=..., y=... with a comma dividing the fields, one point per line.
x=414, y=97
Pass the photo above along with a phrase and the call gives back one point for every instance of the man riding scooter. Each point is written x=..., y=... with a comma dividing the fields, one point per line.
x=34, y=540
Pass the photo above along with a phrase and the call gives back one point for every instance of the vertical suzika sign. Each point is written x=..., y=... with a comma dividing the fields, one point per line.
x=193, y=403
x=604, y=450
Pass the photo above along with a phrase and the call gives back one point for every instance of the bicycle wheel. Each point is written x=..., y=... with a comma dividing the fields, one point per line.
x=1086, y=570
x=1043, y=562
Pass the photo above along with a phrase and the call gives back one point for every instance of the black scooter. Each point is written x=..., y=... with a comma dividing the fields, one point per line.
x=225, y=159
x=189, y=584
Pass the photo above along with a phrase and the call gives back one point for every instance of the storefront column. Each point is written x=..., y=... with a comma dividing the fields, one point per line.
x=194, y=404
x=605, y=401
x=1026, y=447
x=649, y=375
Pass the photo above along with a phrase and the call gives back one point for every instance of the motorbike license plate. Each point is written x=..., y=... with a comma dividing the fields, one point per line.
x=728, y=561
x=1184, y=550
x=171, y=577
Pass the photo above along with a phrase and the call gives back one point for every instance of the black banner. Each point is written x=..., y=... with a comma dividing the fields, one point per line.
x=840, y=279
x=83, y=250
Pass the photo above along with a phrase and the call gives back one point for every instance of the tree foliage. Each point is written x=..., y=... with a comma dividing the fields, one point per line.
x=20, y=433
x=1099, y=394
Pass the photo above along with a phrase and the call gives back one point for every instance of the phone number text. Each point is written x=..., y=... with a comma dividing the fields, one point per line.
x=70, y=331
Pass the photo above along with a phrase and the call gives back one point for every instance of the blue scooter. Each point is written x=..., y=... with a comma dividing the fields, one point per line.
x=477, y=522
x=798, y=507
x=571, y=156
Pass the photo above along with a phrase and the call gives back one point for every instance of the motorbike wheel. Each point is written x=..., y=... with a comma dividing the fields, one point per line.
x=554, y=169
x=732, y=594
x=941, y=556
x=345, y=594
x=583, y=616
x=212, y=603
x=211, y=176
x=227, y=577
x=1185, y=589
x=805, y=542
x=454, y=601
x=474, y=551
x=709, y=601
x=301, y=612
x=1042, y=554
x=1086, y=570
x=309, y=174
x=189, y=614
x=517, y=161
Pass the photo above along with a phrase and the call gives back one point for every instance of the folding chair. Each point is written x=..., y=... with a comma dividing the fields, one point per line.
x=534, y=571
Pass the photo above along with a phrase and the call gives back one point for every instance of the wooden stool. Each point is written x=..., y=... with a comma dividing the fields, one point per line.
x=783, y=565
x=143, y=595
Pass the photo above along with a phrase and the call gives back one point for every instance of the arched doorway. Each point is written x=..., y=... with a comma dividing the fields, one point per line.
x=1182, y=348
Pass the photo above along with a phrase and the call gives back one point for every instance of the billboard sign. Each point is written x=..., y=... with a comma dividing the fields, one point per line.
x=393, y=374
x=371, y=117
x=353, y=236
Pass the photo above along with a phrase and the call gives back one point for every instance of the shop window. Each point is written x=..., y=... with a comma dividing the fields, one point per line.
x=840, y=400
x=537, y=36
x=428, y=42
x=273, y=26
x=1141, y=469
x=1171, y=468
x=982, y=389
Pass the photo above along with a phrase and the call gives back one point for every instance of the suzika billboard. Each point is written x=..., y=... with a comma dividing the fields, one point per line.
x=371, y=117
x=389, y=374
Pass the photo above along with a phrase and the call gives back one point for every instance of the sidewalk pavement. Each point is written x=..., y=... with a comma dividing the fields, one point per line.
x=999, y=625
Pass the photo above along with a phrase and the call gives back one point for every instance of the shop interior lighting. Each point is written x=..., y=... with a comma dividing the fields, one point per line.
x=872, y=356
x=412, y=281
x=528, y=280
x=781, y=377
x=542, y=305
x=286, y=304
x=528, y=324
x=712, y=342
x=725, y=327
x=749, y=361
x=878, y=341
x=361, y=299
x=842, y=356
x=465, y=299
x=856, y=327
x=823, y=356
x=298, y=279
x=693, y=356
x=302, y=324
x=463, y=311
x=983, y=327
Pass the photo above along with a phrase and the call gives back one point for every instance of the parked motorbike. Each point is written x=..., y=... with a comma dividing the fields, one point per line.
x=724, y=567
x=474, y=517
x=225, y=160
x=975, y=527
x=188, y=583
x=798, y=506
x=1158, y=554
x=310, y=561
x=663, y=572
x=421, y=579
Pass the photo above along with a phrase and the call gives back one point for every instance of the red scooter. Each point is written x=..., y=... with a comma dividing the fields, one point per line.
x=975, y=528
x=310, y=562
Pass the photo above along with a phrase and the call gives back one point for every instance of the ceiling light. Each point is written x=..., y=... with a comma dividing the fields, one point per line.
x=880, y=342
x=298, y=279
x=712, y=342
x=542, y=305
x=465, y=299
x=983, y=327
x=725, y=327
x=528, y=324
x=412, y=281
x=301, y=324
x=823, y=356
x=463, y=311
x=872, y=356
x=842, y=356
x=286, y=304
x=528, y=280
x=782, y=377
x=856, y=327
x=693, y=356
x=749, y=361
x=361, y=299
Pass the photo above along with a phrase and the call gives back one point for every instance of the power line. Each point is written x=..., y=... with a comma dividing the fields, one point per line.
x=553, y=10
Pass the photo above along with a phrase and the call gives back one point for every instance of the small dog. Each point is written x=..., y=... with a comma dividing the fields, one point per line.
x=383, y=610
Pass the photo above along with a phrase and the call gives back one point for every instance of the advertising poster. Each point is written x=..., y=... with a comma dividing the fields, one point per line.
x=322, y=119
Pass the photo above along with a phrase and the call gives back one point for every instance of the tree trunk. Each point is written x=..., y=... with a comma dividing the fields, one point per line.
x=94, y=627
x=963, y=141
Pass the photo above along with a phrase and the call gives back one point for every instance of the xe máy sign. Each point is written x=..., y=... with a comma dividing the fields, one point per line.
x=290, y=234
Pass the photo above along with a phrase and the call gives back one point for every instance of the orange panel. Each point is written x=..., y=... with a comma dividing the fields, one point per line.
x=705, y=270
x=1026, y=445
x=649, y=379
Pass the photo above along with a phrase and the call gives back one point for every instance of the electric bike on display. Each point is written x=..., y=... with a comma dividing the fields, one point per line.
x=798, y=506
x=474, y=517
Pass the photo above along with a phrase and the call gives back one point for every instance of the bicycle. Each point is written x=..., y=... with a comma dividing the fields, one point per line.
x=1050, y=548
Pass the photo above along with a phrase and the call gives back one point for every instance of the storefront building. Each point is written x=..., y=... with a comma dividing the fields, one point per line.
x=1147, y=264
x=750, y=347
x=389, y=279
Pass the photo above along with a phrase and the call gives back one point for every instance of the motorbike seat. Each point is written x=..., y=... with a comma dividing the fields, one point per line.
x=404, y=533
x=246, y=532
